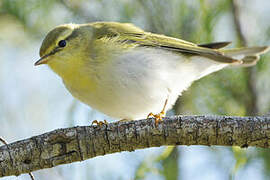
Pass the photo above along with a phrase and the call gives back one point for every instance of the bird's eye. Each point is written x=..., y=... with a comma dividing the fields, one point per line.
x=62, y=43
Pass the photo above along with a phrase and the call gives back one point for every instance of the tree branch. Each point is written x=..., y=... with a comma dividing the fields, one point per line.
x=237, y=22
x=68, y=145
x=252, y=108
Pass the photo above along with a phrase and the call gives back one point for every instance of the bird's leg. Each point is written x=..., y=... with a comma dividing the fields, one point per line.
x=99, y=123
x=158, y=117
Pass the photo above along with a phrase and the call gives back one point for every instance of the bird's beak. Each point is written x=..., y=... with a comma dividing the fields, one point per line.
x=43, y=60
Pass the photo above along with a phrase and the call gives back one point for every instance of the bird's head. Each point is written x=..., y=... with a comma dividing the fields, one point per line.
x=64, y=46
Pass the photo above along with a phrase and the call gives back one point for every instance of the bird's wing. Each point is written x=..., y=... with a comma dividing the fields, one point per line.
x=128, y=33
x=215, y=45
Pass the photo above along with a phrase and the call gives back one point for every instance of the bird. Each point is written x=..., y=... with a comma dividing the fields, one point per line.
x=129, y=74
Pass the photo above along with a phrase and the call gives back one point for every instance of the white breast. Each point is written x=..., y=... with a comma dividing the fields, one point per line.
x=138, y=82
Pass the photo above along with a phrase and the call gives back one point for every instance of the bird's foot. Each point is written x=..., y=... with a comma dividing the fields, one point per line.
x=99, y=123
x=158, y=117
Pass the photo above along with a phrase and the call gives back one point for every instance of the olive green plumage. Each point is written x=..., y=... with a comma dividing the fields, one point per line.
x=131, y=36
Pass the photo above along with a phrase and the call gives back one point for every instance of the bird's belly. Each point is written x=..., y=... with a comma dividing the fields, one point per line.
x=139, y=82
x=125, y=103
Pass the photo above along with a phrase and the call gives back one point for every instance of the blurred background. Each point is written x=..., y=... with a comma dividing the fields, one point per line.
x=33, y=100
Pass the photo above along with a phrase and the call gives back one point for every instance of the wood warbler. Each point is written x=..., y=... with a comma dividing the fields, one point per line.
x=126, y=73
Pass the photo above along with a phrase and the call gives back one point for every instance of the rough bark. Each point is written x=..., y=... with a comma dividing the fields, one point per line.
x=68, y=145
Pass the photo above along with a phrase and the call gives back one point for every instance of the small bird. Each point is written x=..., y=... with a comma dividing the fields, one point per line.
x=127, y=73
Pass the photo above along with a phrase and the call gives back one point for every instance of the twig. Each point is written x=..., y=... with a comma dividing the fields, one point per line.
x=237, y=22
x=252, y=108
x=5, y=143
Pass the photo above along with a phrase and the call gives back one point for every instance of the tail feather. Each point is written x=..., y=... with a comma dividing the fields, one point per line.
x=249, y=56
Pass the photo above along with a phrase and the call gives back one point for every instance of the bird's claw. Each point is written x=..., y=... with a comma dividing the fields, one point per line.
x=158, y=117
x=99, y=123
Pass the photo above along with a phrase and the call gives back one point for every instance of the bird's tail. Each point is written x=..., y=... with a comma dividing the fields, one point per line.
x=248, y=56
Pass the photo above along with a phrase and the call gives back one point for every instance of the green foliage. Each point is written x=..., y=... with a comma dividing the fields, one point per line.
x=170, y=163
x=165, y=164
x=240, y=157
x=264, y=154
